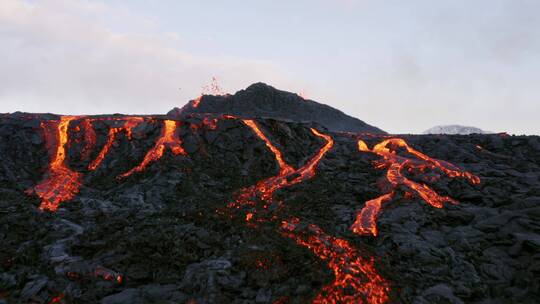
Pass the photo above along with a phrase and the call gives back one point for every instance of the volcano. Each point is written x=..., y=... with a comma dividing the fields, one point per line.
x=261, y=100
x=252, y=204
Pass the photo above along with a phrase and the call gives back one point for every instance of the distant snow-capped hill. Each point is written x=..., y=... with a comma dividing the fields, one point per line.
x=455, y=129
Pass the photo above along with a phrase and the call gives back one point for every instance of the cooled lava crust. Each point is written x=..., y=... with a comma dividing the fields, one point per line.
x=222, y=209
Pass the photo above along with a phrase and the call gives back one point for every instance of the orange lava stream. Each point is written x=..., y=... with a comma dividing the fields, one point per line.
x=284, y=167
x=166, y=139
x=366, y=219
x=129, y=124
x=62, y=183
x=308, y=171
x=351, y=269
x=356, y=279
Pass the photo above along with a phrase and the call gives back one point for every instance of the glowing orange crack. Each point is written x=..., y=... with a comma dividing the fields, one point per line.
x=284, y=167
x=61, y=183
x=129, y=124
x=166, y=139
x=366, y=219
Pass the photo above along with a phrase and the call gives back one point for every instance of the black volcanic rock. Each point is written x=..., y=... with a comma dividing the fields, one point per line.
x=261, y=100
x=159, y=236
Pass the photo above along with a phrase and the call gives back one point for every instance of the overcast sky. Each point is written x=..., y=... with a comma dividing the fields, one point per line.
x=403, y=66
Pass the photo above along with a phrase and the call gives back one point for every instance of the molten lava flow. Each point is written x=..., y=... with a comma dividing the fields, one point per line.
x=308, y=171
x=62, y=183
x=284, y=167
x=129, y=124
x=365, y=222
x=356, y=280
x=166, y=139
x=197, y=102
x=352, y=271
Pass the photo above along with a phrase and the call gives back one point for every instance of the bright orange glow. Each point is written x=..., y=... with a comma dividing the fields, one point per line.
x=129, y=124
x=308, y=170
x=366, y=220
x=355, y=277
x=166, y=139
x=61, y=184
x=284, y=167
x=362, y=146
x=197, y=102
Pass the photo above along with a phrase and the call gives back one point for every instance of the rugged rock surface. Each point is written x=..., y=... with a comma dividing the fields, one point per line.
x=165, y=234
x=455, y=130
x=261, y=100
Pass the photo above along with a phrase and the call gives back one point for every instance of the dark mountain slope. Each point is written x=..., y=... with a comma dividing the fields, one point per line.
x=261, y=100
x=188, y=227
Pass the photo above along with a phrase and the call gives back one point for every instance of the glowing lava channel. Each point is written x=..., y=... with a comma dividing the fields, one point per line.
x=356, y=279
x=351, y=270
x=197, y=102
x=130, y=123
x=366, y=219
x=166, y=139
x=62, y=183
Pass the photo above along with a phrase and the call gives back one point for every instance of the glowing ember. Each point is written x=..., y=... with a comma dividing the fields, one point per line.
x=62, y=183
x=213, y=88
x=356, y=280
x=308, y=170
x=108, y=275
x=57, y=299
x=129, y=124
x=365, y=222
x=166, y=139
